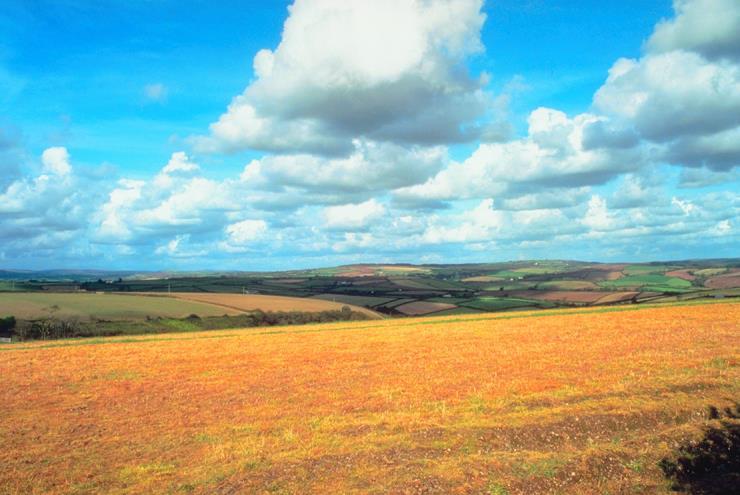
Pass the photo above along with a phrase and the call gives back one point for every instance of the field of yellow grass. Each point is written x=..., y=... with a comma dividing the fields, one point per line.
x=251, y=302
x=572, y=401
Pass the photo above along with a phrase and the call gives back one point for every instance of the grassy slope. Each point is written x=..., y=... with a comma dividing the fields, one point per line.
x=575, y=401
x=648, y=280
x=32, y=305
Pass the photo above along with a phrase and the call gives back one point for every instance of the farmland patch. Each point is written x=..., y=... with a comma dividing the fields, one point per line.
x=725, y=281
x=252, y=302
x=514, y=403
x=36, y=305
x=423, y=307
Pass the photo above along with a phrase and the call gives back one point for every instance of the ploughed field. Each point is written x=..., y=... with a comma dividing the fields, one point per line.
x=574, y=401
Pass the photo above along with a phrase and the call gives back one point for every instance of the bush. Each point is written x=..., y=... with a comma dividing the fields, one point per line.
x=47, y=329
x=7, y=326
x=710, y=466
x=57, y=328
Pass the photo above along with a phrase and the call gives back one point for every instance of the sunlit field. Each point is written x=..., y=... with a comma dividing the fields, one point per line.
x=33, y=305
x=565, y=401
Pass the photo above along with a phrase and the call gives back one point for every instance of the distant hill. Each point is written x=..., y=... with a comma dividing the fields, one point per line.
x=439, y=289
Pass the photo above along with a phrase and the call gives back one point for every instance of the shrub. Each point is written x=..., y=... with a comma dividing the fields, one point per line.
x=710, y=466
x=7, y=326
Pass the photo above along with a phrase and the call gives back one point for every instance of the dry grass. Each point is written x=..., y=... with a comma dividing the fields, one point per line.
x=35, y=305
x=573, y=401
x=482, y=278
x=251, y=302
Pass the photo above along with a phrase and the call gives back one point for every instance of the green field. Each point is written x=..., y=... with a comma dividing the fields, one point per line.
x=8, y=286
x=650, y=281
x=458, y=311
x=645, y=269
x=367, y=301
x=566, y=285
x=384, y=287
x=36, y=305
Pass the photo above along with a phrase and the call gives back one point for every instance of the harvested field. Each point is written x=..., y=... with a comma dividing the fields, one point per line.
x=725, y=281
x=403, y=269
x=568, y=296
x=252, y=302
x=499, y=303
x=423, y=307
x=37, y=305
x=521, y=403
x=358, y=272
x=684, y=274
x=614, y=275
x=483, y=278
x=617, y=297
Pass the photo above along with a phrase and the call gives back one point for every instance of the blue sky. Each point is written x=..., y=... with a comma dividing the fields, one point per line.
x=263, y=135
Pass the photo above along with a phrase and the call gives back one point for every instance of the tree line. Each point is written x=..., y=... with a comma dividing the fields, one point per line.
x=70, y=327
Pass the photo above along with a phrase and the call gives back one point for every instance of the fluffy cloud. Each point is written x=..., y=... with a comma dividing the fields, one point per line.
x=673, y=94
x=552, y=155
x=384, y=70
x=353, y=216
x=290, y=180
x=246, y=232
x=708, y=27
x=44, y=211
x=684, y=93
x=361, y=169
x=56, y=161
x=180, y=164
x=176, y=202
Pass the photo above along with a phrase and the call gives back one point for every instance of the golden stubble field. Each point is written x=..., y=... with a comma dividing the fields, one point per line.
x=581, y=401
x=252, y=302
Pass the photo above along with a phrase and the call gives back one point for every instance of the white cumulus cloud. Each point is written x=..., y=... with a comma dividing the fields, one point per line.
x=388, y=70
x=353, y=216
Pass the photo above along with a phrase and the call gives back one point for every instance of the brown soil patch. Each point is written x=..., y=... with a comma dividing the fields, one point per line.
x=614, y=275
x=617, y=297
x=570, y=296
x=423, y=307
x=726, y=281
x=684, y=274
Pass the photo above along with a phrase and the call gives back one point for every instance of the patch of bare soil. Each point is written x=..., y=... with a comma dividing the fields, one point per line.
x=684, y=274
x=617, y=297
x=423, y=307
x=725, y=281
x=568, y=296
